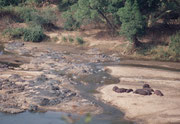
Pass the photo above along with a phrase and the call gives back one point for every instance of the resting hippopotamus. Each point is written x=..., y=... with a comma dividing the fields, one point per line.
x=158, y=93
x=142, y=92
x=119, y=90
x=146, y=86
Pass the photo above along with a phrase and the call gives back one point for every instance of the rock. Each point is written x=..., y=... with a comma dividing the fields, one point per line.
x=21, y=88
x=14, y=45
x=33, y=108
x=54, y=87
x=84, y=71
x=41, y=79
x=9, y=92
x=14, y=76
x=142, y=92
x=158, y=93
x=146, y=86
x=44, y=102
x=129, y=90
x=55, y=101
x=72, y=94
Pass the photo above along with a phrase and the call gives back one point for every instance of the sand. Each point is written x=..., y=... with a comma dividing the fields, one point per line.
x=145, y=109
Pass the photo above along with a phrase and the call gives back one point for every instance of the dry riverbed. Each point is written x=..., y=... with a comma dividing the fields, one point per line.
x=39, y=77
x=45, y=76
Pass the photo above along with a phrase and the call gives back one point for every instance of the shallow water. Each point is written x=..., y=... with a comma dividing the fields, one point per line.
x=53, y=118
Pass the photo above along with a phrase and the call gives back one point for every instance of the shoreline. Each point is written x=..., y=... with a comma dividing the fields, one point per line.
x=144, y=109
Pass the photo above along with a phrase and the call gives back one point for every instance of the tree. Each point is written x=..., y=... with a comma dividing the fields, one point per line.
x=129, y=17
x=133, y=23
x=84, y=11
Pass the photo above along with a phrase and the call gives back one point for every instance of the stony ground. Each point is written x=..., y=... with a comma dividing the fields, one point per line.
x=40, y=77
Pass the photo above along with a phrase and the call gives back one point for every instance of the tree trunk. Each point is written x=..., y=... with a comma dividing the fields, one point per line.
x=136, y=42
x=107, y=20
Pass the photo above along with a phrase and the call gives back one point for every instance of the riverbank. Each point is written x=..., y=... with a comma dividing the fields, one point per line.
x=151, y=109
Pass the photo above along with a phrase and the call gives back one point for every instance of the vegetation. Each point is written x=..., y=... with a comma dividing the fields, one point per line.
x=64, y=39
x=14, y=33
x=34, y=34
x=175, y=44
x=80, y=40
x=70, y=39
x=128, y=17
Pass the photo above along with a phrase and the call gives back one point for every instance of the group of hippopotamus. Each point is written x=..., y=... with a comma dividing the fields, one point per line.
x=146, y=90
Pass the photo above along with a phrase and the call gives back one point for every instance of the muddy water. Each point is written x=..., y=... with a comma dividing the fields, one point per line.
x=52, y=118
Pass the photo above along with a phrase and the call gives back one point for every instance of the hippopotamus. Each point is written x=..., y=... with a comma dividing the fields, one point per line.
x=158, y=93
x=142, y=92
x=146, y=86
x=119, y=90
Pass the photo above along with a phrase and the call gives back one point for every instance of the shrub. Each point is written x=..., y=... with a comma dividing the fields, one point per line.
x=9, y=2
x=14, y=32
x=79, y=40
x=25, y=13
x=70, y=39
x=34, y=2
x=175, y=44
x=34, y=34
x=64, y=39
x=70, y=23
x=44, y=17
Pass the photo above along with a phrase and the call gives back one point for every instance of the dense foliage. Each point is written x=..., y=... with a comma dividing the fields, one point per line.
x=129, y=17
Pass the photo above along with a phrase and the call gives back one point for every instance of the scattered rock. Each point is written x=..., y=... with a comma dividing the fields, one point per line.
x=33, y=108
x=44, y=102
x=9, y=92
x=14, y=45
x=158, y=93
x=54, y=87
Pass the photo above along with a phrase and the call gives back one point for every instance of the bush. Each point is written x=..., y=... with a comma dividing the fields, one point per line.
x=79, y=40
x=25, y=13
x=70, y=23
x=34, y=2
x=9, y=2
x=34, y=34
x=44, y=17
x=70, y=39
x=175, y=44
x=64, y=39
x=14, y=33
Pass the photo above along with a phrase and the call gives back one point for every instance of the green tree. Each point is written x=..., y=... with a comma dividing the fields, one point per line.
x=9, y=2
x=86, y=11
x=129, y=17
x=133, y=23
